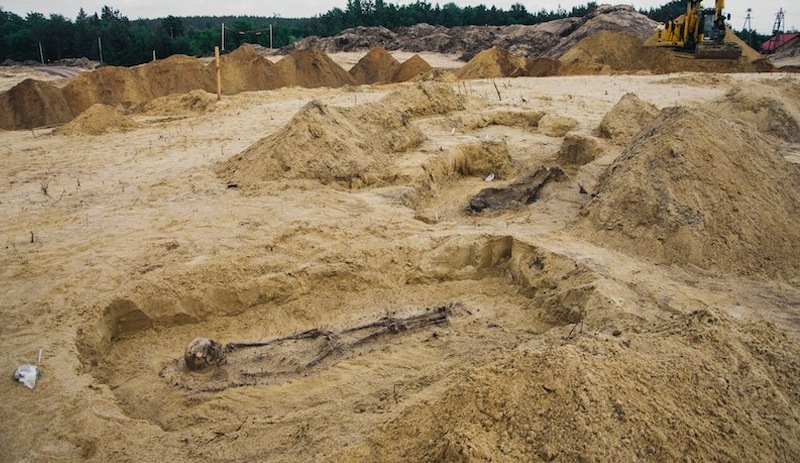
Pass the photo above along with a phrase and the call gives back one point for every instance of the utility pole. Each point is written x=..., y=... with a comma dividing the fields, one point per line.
x=747, y=25
x=777, y=27
x=100, y=46
x=41, y=55
x=777, y=31
x=223, y=37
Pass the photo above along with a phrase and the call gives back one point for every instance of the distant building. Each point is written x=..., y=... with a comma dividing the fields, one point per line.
x=776, y=41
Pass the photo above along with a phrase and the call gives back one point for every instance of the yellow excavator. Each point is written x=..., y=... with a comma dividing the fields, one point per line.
x=699, y=31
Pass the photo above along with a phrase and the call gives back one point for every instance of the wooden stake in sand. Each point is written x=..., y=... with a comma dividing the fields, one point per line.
x=219, y=74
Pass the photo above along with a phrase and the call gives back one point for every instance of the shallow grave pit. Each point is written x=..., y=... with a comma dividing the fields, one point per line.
x=465, y=301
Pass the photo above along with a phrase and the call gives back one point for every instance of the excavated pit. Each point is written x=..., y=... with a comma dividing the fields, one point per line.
x=483, y=295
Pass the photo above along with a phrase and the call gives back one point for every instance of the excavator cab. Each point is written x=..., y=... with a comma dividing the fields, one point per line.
x=711, y=37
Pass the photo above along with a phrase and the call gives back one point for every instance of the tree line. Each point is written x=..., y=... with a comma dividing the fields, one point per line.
x=114, y=39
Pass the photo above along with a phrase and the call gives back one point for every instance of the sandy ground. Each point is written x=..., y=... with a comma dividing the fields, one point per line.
x=119, y=249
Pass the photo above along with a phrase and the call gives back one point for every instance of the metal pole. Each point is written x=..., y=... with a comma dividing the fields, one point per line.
x=100, y=46
x=219, y=76
x=223, y=37
x=154, y=55
x=270, y=36
x=41, y=55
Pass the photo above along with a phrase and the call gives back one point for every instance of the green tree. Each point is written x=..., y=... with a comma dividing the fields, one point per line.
x=173, y=26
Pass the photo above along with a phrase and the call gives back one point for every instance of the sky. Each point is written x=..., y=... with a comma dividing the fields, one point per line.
x=762, y=15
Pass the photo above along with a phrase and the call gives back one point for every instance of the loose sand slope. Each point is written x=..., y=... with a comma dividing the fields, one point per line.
x=342, y=144
x=695, y=189
x=591, y=400
x=97, y=120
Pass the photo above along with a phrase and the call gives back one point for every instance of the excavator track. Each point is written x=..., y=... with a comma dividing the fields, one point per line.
x=710, y=50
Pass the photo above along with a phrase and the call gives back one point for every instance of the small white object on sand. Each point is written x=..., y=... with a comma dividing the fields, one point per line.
x=27, y=374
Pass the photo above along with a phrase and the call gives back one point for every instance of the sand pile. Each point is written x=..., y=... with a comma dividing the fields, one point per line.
x=424, y=99
x=312, y=68
x=608, y=51
x=175, y=74
x=345, y=145
x=326, y=143
x=245, y=70
x=196, y=101
x=605, y=398
x=748, y=53
x=556, y=126
x=411, y=68
x=773, y=107
x=437, y=75
x=695, y=189
x=32, y=103
x=377, y=66
x=622, y=19
x=787, y=55
x=543, y=67
x=626, y=119
x=109, y=85
x=494, y=62
x=97, y=120
x=545, y=40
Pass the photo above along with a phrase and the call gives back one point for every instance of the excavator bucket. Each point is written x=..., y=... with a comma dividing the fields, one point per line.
x=711, y=50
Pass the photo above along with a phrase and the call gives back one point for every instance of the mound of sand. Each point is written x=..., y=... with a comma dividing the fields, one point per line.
x=411, y=68
x=376, y=67
x=787, y=55
x=244, y=69
x=772, y=107
x=696, y=189
x=748, y=53
x=437, y=75
x=556, y=126
x=175, y=74
x=110, y=85
x=604, y=398
x=312, y=68
x=545, y=40
x=350, y=146
x=543, y=67
x=620, y=52
x=325, y=143
x=32, y=103
x=626, y=119
x=424, y=99
x=196, y=101
x=578, y=150
x=494, y=62
x=97, y=120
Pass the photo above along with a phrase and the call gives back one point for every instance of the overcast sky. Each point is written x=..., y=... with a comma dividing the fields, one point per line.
x=763, y=14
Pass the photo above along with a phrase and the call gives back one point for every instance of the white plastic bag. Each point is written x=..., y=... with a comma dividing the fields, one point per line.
x=27, y=374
